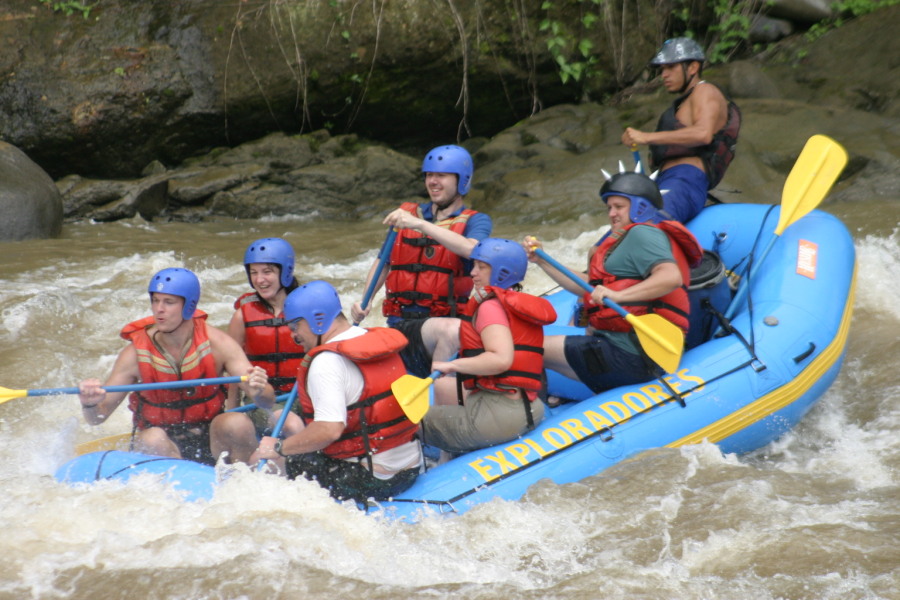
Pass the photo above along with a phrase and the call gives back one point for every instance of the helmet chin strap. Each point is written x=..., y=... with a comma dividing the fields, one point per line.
x=684, y=76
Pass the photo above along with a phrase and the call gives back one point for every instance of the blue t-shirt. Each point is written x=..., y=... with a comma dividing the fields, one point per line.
x=478, y=227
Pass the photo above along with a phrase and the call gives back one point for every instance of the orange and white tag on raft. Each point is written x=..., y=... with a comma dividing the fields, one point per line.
x=807, y=257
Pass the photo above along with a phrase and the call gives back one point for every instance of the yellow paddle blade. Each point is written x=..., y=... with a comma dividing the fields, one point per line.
x=7, y=394
x=411, y=393
x=662, y=340
x=112, y=442
x=817, y=168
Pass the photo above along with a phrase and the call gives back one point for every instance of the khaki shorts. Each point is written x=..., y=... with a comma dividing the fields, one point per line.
x=487, y=418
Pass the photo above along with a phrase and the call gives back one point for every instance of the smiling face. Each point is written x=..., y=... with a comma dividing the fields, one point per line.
x=618, y=208
x=166, y=311
x=265, y=279
x=441, y=188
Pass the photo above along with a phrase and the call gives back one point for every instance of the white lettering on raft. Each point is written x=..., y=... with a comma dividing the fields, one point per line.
x=519, y=453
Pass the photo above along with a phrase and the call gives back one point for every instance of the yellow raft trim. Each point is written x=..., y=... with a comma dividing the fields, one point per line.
x=782, y=396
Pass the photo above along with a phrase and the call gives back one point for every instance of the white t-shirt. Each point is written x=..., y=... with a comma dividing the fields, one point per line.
x=333, y=383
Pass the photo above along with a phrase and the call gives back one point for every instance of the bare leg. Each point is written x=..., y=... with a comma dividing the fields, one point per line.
x=156, y=441
x=555, y=356
x=293, y=424
x=440, y=336
x=233, y=433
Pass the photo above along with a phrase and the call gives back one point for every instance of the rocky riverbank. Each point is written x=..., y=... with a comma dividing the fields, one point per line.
x=552, y=159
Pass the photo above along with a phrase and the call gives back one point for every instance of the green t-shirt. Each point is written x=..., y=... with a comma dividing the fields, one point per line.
x=642, y=248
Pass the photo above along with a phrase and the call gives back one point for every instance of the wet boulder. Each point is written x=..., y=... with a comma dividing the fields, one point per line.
x=30, y=204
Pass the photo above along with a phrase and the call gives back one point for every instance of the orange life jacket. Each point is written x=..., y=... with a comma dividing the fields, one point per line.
x=375, y=422
x=174, y=407
x=674, y=306
x=269, y=343
x=425, y=273
x=527, y=315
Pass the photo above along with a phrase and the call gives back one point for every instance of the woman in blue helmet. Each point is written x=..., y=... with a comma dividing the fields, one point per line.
x=494, y=395
x=174, y=343
x=259, y=327
x=643, y=264
x=258, y=322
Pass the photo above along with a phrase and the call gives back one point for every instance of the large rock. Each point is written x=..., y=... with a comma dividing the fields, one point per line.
x=136, y=82
x=805, y=11
x=30, y=204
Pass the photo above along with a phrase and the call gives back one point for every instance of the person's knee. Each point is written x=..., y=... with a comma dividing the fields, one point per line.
x=156, y=441
x=441, y=337
x=292, y=425
x=231, y=426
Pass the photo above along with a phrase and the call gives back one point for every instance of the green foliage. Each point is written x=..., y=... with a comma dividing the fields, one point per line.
x=68, y=7
x=572, y=51
x=846, y=9
x=729, y=29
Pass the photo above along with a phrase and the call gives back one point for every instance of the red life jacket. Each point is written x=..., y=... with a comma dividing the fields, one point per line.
x=716, y=155
x=269, y=343
x=527, y=315
x=425, y=273
x=174, y=407
x=674, y=306
x=375, y=422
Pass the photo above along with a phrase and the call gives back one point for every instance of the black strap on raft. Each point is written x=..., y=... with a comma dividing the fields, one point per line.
x=672, y=391
x=726, y=325
x=98, y=473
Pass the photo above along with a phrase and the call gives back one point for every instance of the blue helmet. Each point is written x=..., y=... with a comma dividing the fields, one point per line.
x=271, y=250
x=317, y=302
x=646, y=199
x=507, y=258
x=451, y=159
x=178, y=282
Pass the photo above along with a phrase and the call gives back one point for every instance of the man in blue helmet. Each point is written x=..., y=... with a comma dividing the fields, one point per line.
x=174, y=343
x=695, y=138
x=356, y=440
x=428, y=274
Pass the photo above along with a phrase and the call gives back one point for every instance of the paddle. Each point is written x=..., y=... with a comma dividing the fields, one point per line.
x=276, y=431
x=817, y=168
x=637, y=158
x=112, y=442
x=248, y=407
x=411, y=393
x=383, y=256
x=7, y=394
x=662, y=340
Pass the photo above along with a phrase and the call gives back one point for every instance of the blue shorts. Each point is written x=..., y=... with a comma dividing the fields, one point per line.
x=601, y=365
x=687, y=187
x=416, y=359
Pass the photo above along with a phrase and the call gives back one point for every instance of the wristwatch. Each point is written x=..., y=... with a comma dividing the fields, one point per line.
x=277, y=449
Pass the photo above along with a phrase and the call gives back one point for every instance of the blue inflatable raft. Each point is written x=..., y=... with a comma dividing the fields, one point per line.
x=741, y=389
